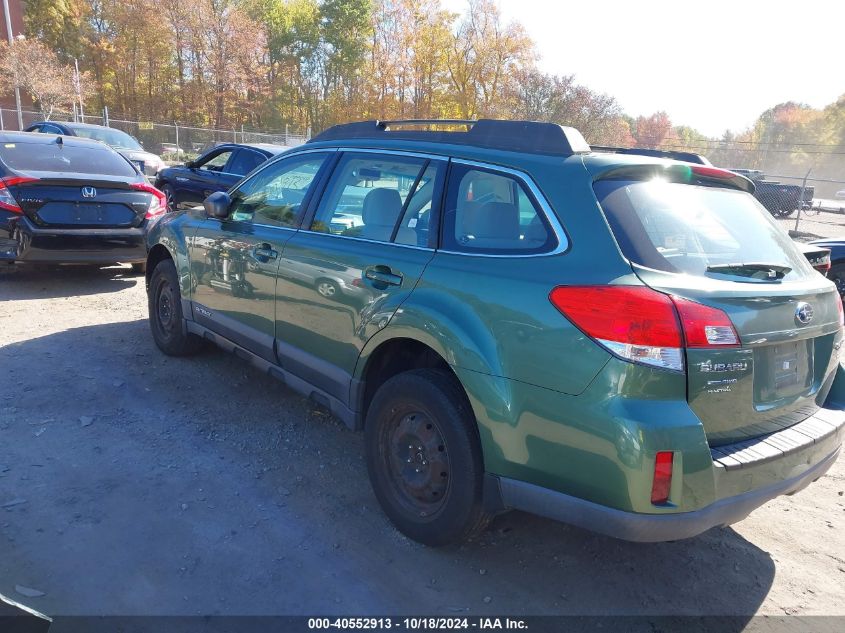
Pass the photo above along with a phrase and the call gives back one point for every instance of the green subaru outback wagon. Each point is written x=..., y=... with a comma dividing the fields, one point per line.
x=625, y=343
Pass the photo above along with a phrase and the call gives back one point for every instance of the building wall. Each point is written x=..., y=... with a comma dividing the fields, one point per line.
x=16, y=13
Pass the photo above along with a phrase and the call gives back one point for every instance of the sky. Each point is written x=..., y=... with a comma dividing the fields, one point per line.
x=713, y=65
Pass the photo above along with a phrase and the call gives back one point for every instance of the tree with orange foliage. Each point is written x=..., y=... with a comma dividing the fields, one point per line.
x=651, y=131
x=31, y=66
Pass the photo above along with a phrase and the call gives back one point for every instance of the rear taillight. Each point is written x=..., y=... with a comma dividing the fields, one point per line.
x=643, y=325
x=158, y=204
x=662, y=482
x=840, y=310
x=634, y=322
x=7, y=200
x=821, y=264
x=705, y=326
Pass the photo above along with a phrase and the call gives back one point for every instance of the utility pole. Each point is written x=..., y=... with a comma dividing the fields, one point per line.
x=77, y=85
x=11, y=38
x=801, y=197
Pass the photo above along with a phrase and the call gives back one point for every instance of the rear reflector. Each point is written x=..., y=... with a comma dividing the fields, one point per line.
x=643, y=325
x=662, y=483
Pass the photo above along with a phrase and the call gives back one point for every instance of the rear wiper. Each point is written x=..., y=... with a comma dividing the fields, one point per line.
x=773, y=271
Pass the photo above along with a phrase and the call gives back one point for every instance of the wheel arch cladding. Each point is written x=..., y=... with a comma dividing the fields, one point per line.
x=171, y=233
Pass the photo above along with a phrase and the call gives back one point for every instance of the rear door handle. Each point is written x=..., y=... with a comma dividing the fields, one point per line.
x=264, y=253
x=383, y=274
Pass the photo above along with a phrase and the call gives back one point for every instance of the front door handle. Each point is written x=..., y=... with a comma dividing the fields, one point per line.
x=383, y=274
x=264, y=253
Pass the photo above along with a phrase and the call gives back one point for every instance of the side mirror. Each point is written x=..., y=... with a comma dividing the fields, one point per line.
x=190, y=164
x=217, y=205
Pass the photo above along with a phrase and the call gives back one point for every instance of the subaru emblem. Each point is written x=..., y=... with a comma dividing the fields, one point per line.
x=804, y=313
x=89, y=192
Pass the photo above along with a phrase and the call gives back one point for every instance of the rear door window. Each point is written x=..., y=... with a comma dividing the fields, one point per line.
x=65, y=158
x=697, y=230
x=244, y=161
x=493, y=212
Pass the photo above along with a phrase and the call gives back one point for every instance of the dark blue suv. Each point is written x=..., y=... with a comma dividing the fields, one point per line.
x=218, y=169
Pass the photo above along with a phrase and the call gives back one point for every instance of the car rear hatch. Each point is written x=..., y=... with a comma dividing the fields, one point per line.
x=81, y=201
x=698, y=235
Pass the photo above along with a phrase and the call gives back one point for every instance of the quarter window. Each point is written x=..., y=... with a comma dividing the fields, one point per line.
x=492, y=212
x=276, y=193
x=385, y=198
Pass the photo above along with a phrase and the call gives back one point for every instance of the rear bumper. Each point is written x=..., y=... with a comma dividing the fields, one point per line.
x=650, y=528
x=746, y=475
x=77, y=246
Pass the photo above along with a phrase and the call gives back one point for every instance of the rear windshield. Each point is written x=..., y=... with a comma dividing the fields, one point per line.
x=697, y=230
x=109, y=136
x=67, y=159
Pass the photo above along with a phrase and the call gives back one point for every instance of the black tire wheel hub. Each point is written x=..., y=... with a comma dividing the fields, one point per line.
x=418, y=462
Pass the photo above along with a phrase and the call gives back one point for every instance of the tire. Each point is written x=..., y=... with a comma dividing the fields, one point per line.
x=170, y=197
x=139, y=268
x=424, y=457
x=837, y=276
x=165, y=306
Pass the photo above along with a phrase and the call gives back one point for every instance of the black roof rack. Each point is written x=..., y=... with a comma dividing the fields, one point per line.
x=517, y=136
x=687, y=157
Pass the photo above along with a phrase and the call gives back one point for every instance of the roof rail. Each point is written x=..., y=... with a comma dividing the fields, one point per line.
x=516, y=136
x=687, y=157
x=386, y=125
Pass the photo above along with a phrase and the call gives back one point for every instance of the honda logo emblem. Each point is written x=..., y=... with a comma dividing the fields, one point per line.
x=89, y=192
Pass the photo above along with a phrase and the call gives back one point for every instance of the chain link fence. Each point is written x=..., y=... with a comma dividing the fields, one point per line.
x=173, y=142
x=807, y=198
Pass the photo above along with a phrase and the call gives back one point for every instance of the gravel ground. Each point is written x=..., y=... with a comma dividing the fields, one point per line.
x=811, y=227
x=132, y=483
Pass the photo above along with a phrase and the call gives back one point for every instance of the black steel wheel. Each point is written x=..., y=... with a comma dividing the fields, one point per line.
x=415, y=451
x=424, y=458
x=165, y=307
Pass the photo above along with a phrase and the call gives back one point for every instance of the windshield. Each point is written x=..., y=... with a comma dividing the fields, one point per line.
x=109, y=136
x=698, y=230
x=65, y=159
